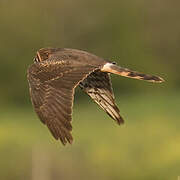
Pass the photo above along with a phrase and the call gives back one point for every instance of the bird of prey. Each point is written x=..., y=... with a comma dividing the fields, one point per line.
x=55, y=74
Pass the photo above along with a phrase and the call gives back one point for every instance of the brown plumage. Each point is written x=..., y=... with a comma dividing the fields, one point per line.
x=55, y=74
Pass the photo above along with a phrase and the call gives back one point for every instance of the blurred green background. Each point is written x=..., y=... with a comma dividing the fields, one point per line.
x=140, y=35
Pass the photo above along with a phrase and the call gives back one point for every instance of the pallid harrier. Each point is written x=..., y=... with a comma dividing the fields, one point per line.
x=55, y=74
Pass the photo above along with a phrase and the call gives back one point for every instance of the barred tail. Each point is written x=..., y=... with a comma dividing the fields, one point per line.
x=112, y=68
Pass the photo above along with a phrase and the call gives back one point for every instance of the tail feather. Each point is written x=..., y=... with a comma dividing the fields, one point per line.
x=112, y=68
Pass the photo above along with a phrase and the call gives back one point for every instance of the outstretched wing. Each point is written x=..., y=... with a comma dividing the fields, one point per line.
x=98, y=86
x=52, y=86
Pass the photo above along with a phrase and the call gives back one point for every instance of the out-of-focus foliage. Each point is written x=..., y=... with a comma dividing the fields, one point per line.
x=137, y=34
x=140, y=35
x=146, y=147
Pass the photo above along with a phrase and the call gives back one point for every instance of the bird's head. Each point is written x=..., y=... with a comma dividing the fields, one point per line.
x=44, y=54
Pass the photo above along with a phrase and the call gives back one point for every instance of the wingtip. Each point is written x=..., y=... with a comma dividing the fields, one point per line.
x=70, y=141
x=64, y=142
x=120, y=120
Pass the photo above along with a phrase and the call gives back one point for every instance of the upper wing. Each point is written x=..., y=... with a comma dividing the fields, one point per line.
x=52, y=86
x=98, y=86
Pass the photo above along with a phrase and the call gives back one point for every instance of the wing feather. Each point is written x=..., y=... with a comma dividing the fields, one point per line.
x=98, y=86
x=52, y=86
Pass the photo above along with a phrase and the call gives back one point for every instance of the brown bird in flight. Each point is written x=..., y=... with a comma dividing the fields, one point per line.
x=54, y=75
